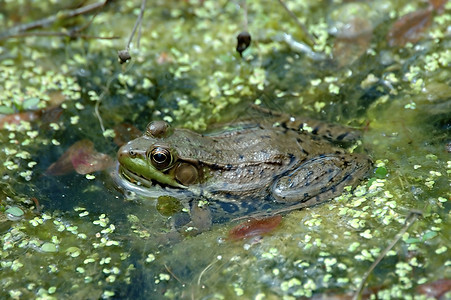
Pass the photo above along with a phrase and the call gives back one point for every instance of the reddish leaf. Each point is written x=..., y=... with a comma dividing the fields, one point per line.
x=410, y=27
x=16, y=118
x=81, y=157
x=124, y=133
x=435, y=289
x=87, y=160
x=254, y=227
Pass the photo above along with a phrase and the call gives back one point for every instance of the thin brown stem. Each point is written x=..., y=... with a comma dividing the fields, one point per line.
x=65, y=34
x=173, y=275
x=205, y=270
x=308, y=38
x=17, y=31
x=245, y=19
x=137, y=23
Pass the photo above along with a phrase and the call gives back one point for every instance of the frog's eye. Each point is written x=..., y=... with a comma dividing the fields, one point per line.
x=160, y=157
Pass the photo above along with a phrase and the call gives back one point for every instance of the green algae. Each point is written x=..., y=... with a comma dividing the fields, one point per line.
x=92, y=243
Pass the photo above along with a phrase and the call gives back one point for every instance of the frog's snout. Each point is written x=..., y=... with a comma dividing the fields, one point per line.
x=123, y=152
x=127, y=151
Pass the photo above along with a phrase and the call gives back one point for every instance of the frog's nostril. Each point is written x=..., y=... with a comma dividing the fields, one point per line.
x=132, y=152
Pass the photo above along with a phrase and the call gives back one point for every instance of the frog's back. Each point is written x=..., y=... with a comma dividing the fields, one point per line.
x=250, y=146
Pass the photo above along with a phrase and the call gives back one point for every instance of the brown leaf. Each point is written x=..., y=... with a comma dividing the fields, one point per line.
x=254, y=227
x=438, y=4
x=81, y=157
x=124, y=133
x=435, y=289
x=356, y=27
x=63, y=165
x=28, y=116
x=346, y=51
x=56, y=98
x=51, y=115
x=410, y=27
x=87, y=161
x=353, y=40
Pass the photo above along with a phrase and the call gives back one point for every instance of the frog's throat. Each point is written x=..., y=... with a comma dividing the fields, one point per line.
x=146, y=173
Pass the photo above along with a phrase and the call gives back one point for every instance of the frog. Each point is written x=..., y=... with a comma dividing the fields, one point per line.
x=291, y=162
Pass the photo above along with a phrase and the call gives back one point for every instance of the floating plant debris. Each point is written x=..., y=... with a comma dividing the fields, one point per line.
x=81, y=157
x=254, y=227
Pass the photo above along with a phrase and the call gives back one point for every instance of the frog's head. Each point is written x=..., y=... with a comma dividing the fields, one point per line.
x=150, y=158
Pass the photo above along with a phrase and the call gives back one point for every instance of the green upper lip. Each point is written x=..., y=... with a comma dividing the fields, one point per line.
x=129, y=174
x=139, y=168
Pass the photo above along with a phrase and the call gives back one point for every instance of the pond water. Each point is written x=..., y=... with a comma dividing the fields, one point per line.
x=381, y=67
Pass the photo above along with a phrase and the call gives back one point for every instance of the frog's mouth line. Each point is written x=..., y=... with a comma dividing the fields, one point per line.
x=135, y=178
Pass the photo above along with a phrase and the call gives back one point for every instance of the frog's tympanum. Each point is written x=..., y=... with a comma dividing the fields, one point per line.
x=280, y=164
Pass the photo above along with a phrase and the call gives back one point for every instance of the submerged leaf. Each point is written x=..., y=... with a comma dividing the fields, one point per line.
x=81, y=157
x=254, y=227
x=17, y=118
x=168, y=205
x=51, y=115
x=410, y=27
x=88, y=161
x=62, y=166
x=435, y=289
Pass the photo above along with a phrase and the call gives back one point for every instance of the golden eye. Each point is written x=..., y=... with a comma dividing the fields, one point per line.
x=161, y=158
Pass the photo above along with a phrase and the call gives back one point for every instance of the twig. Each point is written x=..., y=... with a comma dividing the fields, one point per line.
x=18, y=30
x=205, y=270
x=308, y=37
x=87, y=24
x=124, y=55
x=173, y=275
x=245, y=20
x=97, y=113
x=102, y=95
x=137, y=23
x=411, y=218
x=65, y=34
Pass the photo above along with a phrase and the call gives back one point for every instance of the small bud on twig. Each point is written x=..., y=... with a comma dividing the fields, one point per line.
x=244, y=40
x=123, y=56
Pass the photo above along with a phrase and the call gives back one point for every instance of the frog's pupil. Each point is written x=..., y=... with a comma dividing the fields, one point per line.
x=159, y=157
